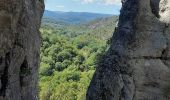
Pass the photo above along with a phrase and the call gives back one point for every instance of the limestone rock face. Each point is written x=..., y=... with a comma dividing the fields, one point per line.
x=137, y=65
x=19, y=48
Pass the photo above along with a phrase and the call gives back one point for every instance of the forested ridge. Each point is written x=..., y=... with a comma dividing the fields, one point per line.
x=69, y=55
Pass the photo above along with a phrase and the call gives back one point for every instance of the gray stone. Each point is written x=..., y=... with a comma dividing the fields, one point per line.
x=137, y=65
x=19, y=48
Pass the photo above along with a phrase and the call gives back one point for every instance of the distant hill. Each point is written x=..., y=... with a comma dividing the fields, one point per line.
x=73, y=17
x=101, y=28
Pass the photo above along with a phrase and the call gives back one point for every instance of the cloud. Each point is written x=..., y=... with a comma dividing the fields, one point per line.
x=112, y=2
x=106, y=2
x=88, y=1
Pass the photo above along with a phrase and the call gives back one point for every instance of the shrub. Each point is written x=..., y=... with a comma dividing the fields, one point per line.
x=46, y=71
x=58, y=66
x=63, y=56
x=75, y=76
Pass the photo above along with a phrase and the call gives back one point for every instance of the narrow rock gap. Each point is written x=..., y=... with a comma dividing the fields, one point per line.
x=123, y=91
x=24, y=71
x=134, y=89
x=4, y=77
x=165, y=50
x=0, y=60
x=164, y=54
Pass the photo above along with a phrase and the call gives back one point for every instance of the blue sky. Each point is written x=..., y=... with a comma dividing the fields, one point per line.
x=97, y=6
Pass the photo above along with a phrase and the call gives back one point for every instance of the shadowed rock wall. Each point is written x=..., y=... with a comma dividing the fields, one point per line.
x=19, y=48
x=137, y=65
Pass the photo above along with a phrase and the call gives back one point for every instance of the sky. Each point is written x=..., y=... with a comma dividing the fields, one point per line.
x=96, y=6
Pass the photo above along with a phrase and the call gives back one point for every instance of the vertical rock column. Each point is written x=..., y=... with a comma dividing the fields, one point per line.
x=19, y=48
x=137, y=65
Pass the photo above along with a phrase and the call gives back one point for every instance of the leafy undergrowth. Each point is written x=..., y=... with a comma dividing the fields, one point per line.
x=68, y=59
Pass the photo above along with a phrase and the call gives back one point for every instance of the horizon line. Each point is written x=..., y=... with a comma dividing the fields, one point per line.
x=80, y=12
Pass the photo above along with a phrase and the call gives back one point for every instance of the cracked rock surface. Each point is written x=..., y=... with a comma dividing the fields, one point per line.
x=137, y=65
x=19, y=48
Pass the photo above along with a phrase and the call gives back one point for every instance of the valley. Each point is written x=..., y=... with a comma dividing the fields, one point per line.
x=69, y=56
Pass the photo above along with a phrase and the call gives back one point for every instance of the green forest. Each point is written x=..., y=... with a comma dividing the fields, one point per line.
x=69, y=56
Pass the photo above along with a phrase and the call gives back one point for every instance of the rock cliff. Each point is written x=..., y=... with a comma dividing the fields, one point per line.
x=137, y=65
x=19, y=48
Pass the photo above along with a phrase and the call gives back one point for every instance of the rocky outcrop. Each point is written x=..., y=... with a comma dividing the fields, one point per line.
x=19, y=48
x=137, y=65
